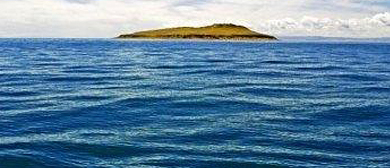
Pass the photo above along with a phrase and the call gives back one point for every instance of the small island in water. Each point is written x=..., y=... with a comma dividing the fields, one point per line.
x=215, y=31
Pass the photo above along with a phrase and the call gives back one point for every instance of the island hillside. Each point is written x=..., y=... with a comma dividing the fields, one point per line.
x=215, y=31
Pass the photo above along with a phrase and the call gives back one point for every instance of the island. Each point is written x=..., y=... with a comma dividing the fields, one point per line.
x=215, y=31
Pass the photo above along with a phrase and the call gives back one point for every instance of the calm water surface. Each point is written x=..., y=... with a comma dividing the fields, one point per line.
x=111, y=103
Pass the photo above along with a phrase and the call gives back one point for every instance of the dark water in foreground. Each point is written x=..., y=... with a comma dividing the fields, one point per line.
x=110, y=103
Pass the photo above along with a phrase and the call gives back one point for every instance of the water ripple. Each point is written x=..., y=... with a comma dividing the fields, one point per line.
x=115, y=103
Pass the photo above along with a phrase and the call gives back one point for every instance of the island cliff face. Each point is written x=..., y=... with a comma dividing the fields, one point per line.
x=216, y=31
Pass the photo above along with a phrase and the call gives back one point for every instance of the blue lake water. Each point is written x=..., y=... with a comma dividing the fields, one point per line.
x=114, y=103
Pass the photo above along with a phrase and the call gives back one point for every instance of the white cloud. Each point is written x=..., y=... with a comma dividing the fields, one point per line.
x=375, y=26
x=108, y=18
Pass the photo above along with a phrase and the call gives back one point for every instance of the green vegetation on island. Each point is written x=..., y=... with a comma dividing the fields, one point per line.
x=215, y=31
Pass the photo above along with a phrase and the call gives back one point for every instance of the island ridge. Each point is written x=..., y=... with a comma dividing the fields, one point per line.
x=215, y=31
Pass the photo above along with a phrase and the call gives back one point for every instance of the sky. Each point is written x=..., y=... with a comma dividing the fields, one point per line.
x=109, y=18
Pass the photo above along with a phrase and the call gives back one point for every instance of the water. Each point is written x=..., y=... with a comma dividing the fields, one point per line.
x=112, y=103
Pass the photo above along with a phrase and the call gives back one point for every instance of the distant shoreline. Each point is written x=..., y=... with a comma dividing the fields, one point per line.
x=195, y=40
x=199, y=38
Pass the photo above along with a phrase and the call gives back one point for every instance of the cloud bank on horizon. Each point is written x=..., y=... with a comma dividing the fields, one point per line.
x=109, y=18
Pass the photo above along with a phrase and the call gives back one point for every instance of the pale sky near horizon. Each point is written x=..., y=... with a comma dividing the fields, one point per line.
x=109, y=18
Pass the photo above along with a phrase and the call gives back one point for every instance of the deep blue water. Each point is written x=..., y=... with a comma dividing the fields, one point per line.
x=112, y=103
